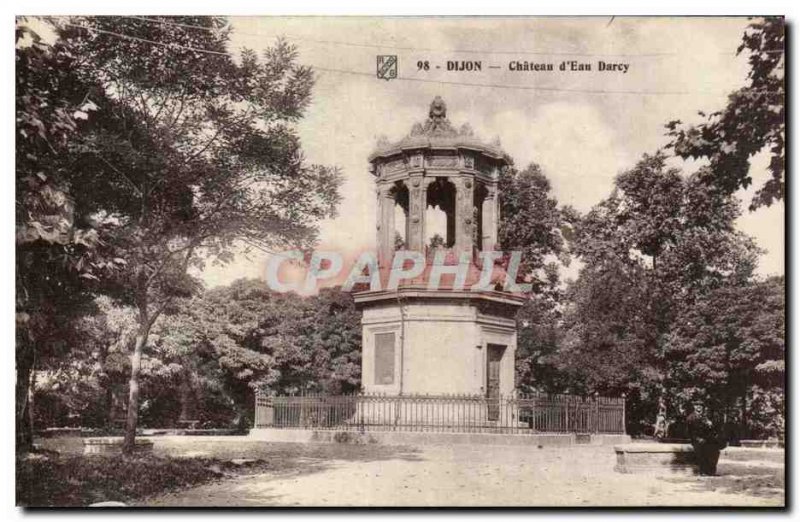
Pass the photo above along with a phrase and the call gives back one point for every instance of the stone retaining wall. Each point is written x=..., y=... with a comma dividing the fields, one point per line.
x=113, y=446
x=656, y=459
x=429, y=438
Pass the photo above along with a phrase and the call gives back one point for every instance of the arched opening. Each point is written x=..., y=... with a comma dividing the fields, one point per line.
x=479, y=197
x=440, y=214
x=400, y=195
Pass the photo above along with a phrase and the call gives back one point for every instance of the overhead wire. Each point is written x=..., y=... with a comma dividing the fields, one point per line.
x=426, y=49
x=406, y=78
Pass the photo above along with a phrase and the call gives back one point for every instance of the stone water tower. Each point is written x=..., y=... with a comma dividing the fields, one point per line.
x=446, y=340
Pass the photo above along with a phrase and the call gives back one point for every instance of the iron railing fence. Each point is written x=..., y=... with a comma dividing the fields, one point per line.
x=529, y=413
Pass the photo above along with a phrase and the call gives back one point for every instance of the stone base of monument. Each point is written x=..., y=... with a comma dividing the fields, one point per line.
x=412, y=438
x=113, y=446
x=653, y=458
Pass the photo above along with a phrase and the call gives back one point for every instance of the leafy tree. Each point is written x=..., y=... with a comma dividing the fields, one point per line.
x=531, y=223
x=658, y=243
x=608, y=330
x=309, y=344
x=87, y=382
x=189, y=154
x=609, y=341
x=753, y=120
x=58, y=253
x=231, y=341
x=729, y=347
x=106, y=336
x=539, y=336
x=334, y=341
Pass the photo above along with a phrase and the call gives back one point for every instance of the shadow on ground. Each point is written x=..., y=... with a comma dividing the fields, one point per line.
x=285, y=454
x=751, y=454
x=178, y=463
x=280, y=460
x=753, y=479
x=251, y=483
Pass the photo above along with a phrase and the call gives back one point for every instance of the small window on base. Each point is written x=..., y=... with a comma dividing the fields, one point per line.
x=384, y=358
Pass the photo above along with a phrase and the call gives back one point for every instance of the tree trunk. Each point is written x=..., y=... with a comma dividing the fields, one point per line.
x=661, y=427
x=187, y=397
x=107, y=417
x=744, y=434
x=109, y=405
x=745, y=424
x=133, y=396
x=24, y=426
x=32, y=400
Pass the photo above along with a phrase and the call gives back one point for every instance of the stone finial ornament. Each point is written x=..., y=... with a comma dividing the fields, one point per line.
x=438, y=110
x=438, y=124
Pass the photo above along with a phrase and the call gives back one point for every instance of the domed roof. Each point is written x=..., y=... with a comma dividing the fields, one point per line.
x=438, y=132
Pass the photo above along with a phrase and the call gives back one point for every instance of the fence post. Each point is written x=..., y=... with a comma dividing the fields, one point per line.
x=624, y=428
x=596, y=412
x=360, y=406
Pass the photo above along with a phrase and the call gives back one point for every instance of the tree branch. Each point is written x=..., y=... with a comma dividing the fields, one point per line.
x=115, y=169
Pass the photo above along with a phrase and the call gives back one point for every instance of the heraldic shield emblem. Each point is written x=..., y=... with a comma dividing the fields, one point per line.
x=387, y=66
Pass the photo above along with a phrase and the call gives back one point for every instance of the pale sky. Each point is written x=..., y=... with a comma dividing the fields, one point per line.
x=582, y=140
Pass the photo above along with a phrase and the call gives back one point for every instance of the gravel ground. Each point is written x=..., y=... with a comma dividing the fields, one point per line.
x=462, y=475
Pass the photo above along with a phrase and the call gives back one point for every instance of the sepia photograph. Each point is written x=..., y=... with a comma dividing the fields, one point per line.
x=400, y=261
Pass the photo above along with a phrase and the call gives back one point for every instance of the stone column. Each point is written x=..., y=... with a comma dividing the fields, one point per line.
x=378, y=219
x=465, y=220
x=490, y=215
x=385, y=223
x=451, y=228
x=417, y=196
x=407, y=232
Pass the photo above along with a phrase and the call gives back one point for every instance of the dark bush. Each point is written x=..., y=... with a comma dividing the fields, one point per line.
x=48, y=479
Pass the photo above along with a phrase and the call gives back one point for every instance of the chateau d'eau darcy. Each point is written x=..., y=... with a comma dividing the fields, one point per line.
x=526, y=66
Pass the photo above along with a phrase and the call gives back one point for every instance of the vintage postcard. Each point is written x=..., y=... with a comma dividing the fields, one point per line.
x=400, y=261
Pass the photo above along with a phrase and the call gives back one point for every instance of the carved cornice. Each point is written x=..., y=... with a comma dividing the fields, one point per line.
x=438, y=133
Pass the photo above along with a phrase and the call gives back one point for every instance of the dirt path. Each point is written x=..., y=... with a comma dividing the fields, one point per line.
x=339, y=475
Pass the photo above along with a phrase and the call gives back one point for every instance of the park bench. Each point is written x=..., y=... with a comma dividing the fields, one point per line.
x=188, y=424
